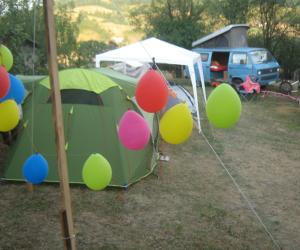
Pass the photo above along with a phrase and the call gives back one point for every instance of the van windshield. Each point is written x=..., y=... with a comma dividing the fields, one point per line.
x=261, y=56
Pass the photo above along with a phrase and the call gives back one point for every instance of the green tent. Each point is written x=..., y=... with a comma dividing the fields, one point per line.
x=92, y=107
x=125, y=81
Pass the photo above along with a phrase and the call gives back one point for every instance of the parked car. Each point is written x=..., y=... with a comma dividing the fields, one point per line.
x=233, y=65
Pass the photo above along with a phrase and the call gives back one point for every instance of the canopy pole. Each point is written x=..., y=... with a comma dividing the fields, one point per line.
x=66, y=211
x=199, y=64
x=193, y=80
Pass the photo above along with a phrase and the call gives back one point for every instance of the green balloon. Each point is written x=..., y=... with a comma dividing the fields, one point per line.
x=6, y=57
x=96, y=172
x=223, y=107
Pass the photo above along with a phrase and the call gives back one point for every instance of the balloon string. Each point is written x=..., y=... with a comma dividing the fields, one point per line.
x=156, y=67
x=33, y=73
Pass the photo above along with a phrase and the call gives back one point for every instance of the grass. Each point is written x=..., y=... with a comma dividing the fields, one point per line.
x=105, y=21
x=189, y=203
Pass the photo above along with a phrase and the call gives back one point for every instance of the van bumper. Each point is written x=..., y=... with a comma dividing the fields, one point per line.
x=270, y=79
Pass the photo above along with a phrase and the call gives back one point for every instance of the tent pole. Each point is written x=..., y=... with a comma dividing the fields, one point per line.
x=29, y=187
x=193, y=80
x=199, y=63
x=66, y=211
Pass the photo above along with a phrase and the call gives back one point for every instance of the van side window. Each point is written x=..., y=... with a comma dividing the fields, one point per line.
x=204, y=57
x=239, y=58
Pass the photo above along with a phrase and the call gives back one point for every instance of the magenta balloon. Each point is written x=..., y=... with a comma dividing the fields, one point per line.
x=134, y=132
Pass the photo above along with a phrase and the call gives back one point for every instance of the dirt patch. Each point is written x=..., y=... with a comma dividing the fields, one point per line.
x=287, y=109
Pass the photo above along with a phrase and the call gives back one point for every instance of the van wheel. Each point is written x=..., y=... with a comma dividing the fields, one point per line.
x=285, y=87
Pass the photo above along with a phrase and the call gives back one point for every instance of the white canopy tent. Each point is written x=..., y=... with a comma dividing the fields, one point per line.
x=162, y=52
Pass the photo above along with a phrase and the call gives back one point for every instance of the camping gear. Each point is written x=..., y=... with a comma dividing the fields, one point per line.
x=184, y=95
x=162, y=52
x=131, y=68
x=249, y=86
x=248, y=89
x=92, y=107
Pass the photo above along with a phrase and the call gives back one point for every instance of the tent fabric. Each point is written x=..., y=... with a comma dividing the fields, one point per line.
x=162, y=52
x=88, y=129
x=144, y=51
x=133, y=70
x=185, y=96
x=82, y=79
x=128, y=83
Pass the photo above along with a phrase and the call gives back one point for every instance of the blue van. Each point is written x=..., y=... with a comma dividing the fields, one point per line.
x=232, y=65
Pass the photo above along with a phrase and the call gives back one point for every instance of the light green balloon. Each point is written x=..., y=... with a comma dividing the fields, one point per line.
x=96, y=172
x=223, y=107
x=6, y=57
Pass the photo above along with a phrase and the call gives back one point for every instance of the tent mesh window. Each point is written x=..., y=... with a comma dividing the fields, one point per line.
x=79, y=96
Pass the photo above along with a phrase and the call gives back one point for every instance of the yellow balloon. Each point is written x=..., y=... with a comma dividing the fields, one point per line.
x=176, y=125
x=9, y=115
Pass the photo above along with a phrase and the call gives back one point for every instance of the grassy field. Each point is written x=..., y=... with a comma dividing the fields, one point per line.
x=190, y=202
x=106, y=21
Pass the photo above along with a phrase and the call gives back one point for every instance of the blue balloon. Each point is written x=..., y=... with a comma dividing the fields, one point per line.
x=16, y=90
x=35, y=169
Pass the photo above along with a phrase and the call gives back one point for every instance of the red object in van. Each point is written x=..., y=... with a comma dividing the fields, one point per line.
x=217, y=68
x=215, y=84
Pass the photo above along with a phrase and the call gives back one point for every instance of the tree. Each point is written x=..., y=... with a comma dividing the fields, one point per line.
x=276, y=19
x=67, y=30
x=234, y=11
x=87, y=50
x=176, y=21
x=278, y=23
x=16, y=25
x=15, y=18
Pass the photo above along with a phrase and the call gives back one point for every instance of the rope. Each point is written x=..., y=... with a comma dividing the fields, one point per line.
x=243, y=194
x=72, y=236
x=33, y=73
x=267, y=92
x=34, y=34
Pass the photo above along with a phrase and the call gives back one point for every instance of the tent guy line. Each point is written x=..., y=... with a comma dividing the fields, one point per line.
x=242, y=193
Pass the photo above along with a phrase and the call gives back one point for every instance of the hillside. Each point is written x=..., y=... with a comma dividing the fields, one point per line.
x=106, y=20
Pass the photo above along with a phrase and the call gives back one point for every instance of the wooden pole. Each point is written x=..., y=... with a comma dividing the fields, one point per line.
x=66, y=212
x=29, y=187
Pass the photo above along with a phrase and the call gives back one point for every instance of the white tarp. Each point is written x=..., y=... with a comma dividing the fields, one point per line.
x=162, y=52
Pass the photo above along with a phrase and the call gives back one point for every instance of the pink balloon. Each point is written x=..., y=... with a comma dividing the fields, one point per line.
x=134, y=132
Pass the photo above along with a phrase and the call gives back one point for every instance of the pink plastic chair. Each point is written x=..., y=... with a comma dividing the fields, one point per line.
x=250, y=86
x=248, y=89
